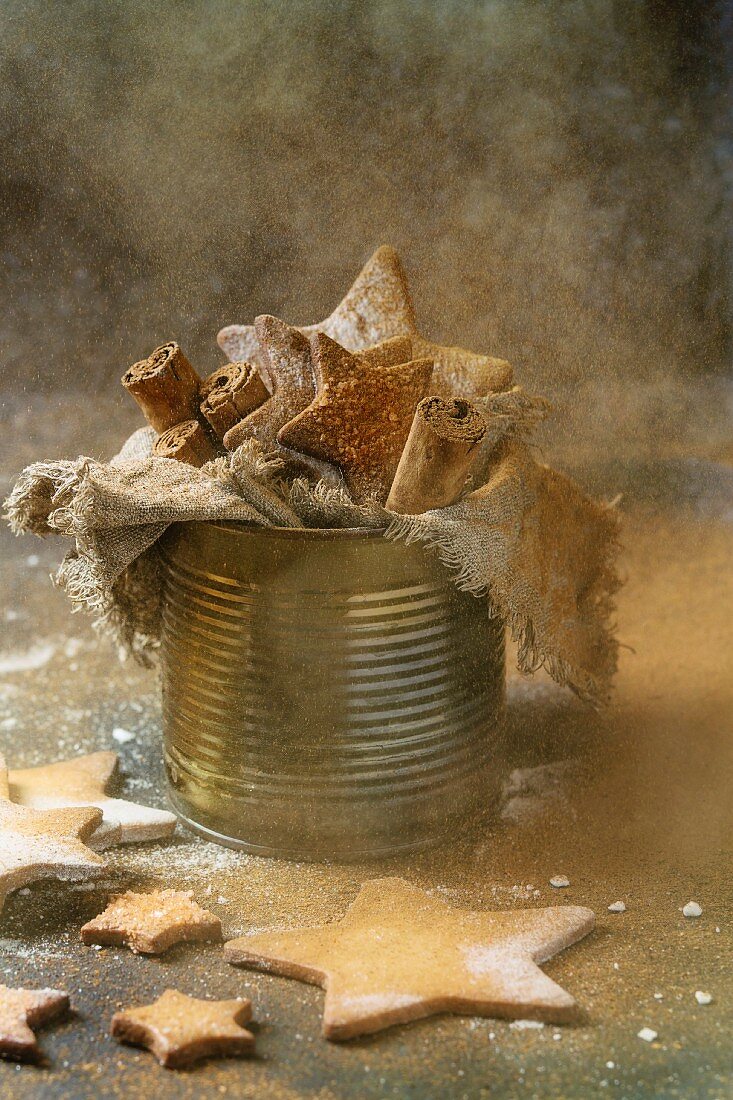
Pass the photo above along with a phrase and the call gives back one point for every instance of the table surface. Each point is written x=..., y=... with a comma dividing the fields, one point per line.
x=634, y=804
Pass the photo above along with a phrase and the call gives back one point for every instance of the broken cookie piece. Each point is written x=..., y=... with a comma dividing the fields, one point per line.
x=151, y=923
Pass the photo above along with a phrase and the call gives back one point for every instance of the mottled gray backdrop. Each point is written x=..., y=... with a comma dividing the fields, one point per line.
x=554, y=175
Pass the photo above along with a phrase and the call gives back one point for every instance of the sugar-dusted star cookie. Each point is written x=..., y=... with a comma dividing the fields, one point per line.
x=285, y=363
x=288, y=368
x=399, y=955
x=82, y=782
x=151, y=923
x=378, y=306
x=36, y=844
x=360, y=417
x=180, y=1030
x=20, y=1011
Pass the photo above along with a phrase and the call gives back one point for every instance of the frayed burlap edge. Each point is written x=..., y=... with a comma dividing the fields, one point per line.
x=56, y=498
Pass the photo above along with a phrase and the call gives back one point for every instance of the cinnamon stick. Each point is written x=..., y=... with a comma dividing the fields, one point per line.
x=437, y=456
x=188, y=442
x=231, y=393
x=165, y=386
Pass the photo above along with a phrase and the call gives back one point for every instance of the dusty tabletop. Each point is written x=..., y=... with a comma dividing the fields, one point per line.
x=630, y=805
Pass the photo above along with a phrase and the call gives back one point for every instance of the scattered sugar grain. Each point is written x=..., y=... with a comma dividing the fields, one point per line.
x=648, y=1034
x=122, y=736
x=526, y=1025
x=703, y=998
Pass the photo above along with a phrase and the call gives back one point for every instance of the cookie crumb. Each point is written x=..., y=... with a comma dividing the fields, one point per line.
x=692, y=909
x=559, y=881
x=703, y=998
x=648, y=1034
x=617, y=907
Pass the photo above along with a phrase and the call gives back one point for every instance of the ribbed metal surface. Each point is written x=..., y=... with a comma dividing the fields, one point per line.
x=326, y=694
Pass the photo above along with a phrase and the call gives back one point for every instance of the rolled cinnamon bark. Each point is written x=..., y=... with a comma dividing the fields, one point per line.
x=440, y=448
x=187, y=442
x=231, y=393
x=165, y=386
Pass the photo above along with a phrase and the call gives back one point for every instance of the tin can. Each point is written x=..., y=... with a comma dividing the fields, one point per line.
x=327, y=694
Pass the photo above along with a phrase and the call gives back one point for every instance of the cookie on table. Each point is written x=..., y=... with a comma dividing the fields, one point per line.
x=151, y=923
x=180, y=1030
x=400, y=954
x=22, y=1010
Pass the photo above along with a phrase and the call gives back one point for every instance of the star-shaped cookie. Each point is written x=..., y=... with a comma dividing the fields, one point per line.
x=82, y=782
x=377, y=306
x=399, y=955
x=151, y=923
x=20, y=1011
x=37, y=844
x=285, y=363
x=285, y=355
x=360, y=417
x=180, y=1030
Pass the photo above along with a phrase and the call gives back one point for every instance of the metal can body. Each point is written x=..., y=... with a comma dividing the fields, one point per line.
x=326, y=694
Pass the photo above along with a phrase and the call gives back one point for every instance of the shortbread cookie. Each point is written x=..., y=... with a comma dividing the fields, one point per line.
x=378, y=306
x=36, y=844
x=360, y=418
x=180, y=1030
x=20, y=1011
x=82, y=782
x=399, y=955
x=151, y=923
x=285, y=358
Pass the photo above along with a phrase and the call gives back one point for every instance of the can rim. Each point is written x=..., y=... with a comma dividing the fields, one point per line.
x=298, y=532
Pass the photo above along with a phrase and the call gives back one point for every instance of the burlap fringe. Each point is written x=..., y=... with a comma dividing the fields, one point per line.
x=120, y=587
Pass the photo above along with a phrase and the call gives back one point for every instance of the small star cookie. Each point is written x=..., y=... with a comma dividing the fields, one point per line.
x=20, y=1011
x=36, y=844
x=151, y=923
x=180, y=1030
x=378, y=306
x=82, y=782
x=399, y=955
x=361, y=416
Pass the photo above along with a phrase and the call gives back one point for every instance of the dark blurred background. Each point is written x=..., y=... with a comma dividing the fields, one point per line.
x=557, y=177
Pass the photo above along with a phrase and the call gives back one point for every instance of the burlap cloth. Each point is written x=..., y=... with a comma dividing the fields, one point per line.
x=523, y=535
